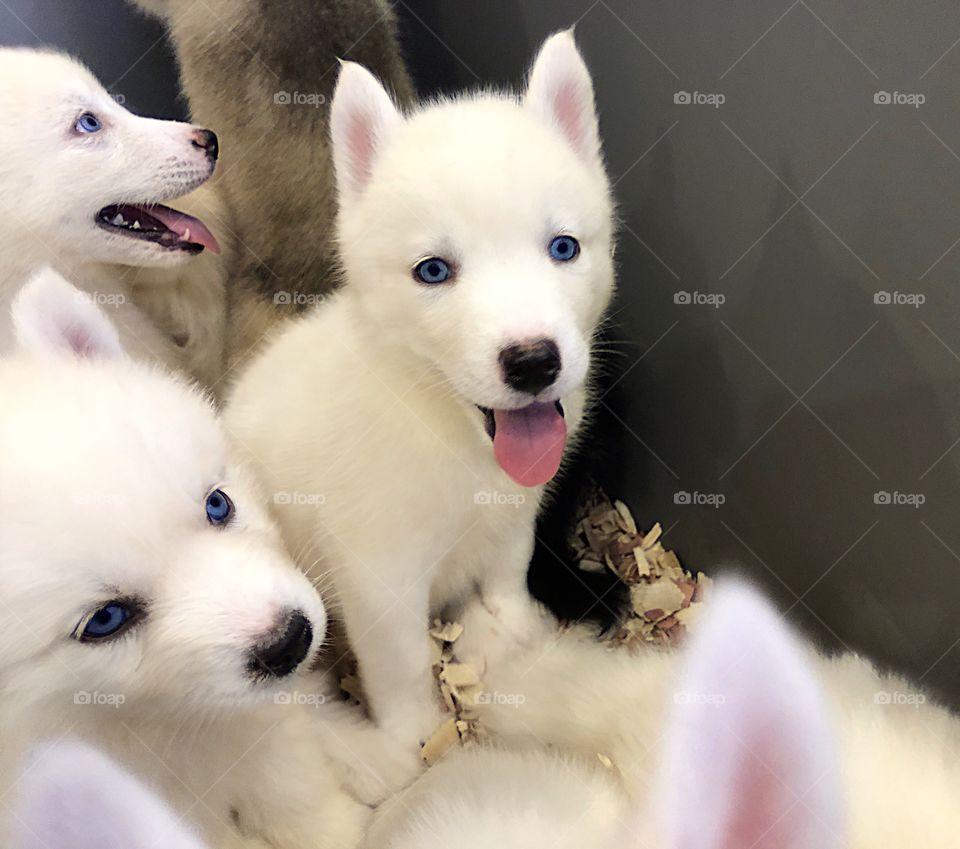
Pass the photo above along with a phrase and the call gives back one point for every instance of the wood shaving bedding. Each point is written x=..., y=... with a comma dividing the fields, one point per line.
x=665, y=598
x=458, y=684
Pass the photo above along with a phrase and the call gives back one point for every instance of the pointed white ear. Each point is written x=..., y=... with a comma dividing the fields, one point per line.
x=362, y=118
x=561, y=91
x=52, y=317
x=70, y=795
x=751, y=758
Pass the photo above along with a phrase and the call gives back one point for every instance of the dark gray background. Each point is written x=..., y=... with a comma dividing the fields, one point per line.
x=799, y=199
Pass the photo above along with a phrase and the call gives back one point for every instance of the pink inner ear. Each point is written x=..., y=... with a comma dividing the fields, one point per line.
x=568, y=111
x=361, y=145
x=76, y=337
x=761, y=815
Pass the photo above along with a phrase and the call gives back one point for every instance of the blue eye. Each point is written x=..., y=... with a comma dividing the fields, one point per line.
x=106, y=621
x=88, y=123
x=219, y=507
x=433, y=270
x=564, y=248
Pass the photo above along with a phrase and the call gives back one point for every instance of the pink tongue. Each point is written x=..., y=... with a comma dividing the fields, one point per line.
x=180, y=223
x=528, y=443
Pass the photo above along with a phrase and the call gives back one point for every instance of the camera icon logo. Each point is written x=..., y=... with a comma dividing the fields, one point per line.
x=882, y=497
x=883, y=98
x=282, y=98
x=682, y=298
x=682, y=98
x=682, y=498
x=882, y=298
x=283, y=299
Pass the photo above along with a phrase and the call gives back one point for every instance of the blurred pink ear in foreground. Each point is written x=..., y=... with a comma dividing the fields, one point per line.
x=751, y=760
x=51, y=317
x=70, y=796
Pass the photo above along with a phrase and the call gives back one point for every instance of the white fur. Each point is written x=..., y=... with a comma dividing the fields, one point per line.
x=105, y=465
x=72, y=795
x=747, y=739
x=56, y=181
x=362, y=419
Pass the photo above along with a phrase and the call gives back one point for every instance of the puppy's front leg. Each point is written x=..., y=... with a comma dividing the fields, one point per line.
x=387, y=625
x=503, y=589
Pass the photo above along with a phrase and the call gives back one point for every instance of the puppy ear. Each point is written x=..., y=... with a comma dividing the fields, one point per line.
x=52, y=317
x=751, y=757
x=362, y=118
x=69, y=795
x=561, y=91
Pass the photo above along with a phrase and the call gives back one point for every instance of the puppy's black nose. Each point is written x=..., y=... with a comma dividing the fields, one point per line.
x=206, y=140
x=284, y=651
x=530, y=366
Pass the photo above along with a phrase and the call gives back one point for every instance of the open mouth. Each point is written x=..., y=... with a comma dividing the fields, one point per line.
x=528, y=443
x=172, y=230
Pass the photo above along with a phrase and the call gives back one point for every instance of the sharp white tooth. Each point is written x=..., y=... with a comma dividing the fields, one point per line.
x=118, y=220
x=136, y=225
x=186, y=235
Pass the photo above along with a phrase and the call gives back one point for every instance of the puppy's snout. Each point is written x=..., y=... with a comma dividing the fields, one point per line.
x=284, y=649
x=206, y=140
x=531, y=367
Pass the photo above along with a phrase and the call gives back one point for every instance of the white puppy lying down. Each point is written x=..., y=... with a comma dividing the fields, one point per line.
x=151, y=608
x=752, y=742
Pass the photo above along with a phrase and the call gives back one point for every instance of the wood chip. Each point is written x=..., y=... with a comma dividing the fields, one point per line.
x=448, y=632
x=443, y=740
x=459, y=675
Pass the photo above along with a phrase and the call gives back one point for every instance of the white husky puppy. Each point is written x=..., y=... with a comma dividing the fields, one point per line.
x=752, y=741
x=84, y=181
x=408, y=427
x=152, y=611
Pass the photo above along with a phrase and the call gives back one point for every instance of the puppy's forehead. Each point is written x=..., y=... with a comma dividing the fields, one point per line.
x=113, y=424
x=471, y=160
x=53, y=74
